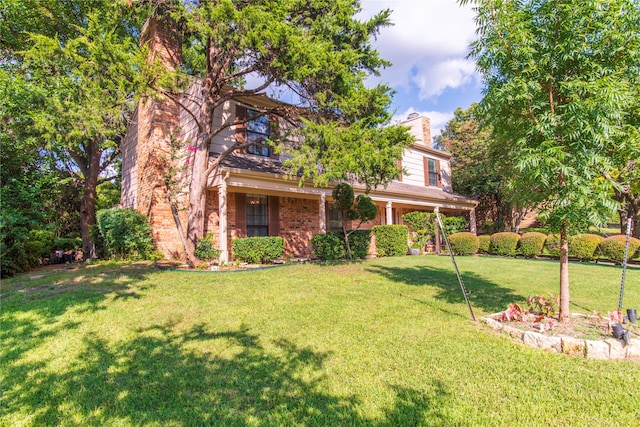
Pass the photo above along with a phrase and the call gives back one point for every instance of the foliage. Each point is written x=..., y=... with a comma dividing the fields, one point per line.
x=329, y=246
x=422, y=225
x=391, y=240
x=490, y=227
x=531, y=244
x=359, y=242
x=464, y=243
x=261, y=249
x=542, y=305
x=67, y=243
x=126, y=233
x=504, y=243
x=552, y=245
x=206, y=250
x=583, y=246
x=613, y=247
x=561, y=81
x=484, y=244
x=43, y=240
x=453, y=224
x=359, y=209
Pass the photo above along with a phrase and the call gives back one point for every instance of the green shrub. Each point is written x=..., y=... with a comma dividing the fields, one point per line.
x=258, y=249
x=584, y=246
x=531, y=244
x=328, y=246
x=613, y=247
x=44, y=240
x=504, y=243
x=67, y=243
x=484, y=244
x=391, y=240
x=464, y=243
x=206, y=250
x=360, y=240
x=552, y=245
x=490, y=227
x=126, y=233
x=453, y=224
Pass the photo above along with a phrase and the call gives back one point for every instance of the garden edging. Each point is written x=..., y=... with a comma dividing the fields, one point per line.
x=608, y=349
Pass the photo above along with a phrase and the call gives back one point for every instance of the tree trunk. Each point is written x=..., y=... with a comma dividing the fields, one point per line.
x=88, y=202
x=564, y=315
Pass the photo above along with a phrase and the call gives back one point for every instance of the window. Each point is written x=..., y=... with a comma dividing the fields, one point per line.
x=333, y=218
x=258, y=130
x=257, y=215
x=432, y=172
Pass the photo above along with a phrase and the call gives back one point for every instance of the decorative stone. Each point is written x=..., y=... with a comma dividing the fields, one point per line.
x=535, y=339
x=633, y=349
x=493, y=323
x=597, y=350
x=573, y=346
x=617, y=349
x=514, y=332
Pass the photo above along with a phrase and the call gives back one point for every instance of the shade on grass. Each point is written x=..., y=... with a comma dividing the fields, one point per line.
x=384, y=342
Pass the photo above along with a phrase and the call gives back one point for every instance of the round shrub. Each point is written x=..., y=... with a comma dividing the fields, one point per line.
x=391, y=240
x=583, y=246
x=126, y=233
x=484, y=244
x=531, y=244
x=206, y=250
x=552, y=245
x=464, y=243
x=504, y=243
x=613, y=247
x=327, y=246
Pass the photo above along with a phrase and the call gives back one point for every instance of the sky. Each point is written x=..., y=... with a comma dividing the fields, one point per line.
x=427, y=45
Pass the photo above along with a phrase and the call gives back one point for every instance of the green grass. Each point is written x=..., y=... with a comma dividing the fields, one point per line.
x=385, y=343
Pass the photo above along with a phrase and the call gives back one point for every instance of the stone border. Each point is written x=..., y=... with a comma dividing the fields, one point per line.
x=608, y=349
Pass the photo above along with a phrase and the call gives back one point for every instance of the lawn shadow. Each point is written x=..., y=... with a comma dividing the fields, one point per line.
x=484, y=294
x=165, y=376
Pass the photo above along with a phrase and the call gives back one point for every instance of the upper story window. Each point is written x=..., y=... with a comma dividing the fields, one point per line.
x=258, y=130
x=432, y=176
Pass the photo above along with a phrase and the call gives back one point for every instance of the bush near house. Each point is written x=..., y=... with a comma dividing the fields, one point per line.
x=453, y=224
x=391, y=240
x=126, y=233
x=613, y=247
x=258, y=249
x=552, y=245
x=584, y=246
x=531, y=244
x=328, y=247
x=504, y=243
x=464, y=243
x=484, y=244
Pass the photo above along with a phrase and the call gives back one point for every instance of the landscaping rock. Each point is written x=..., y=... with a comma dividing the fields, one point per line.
x=597, y=350
x=617, y=349
x=535, y=339
x=573, y=346
x=514, y=332
x=633, y=349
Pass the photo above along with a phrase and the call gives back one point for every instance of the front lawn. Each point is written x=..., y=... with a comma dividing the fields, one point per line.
x=382, y=342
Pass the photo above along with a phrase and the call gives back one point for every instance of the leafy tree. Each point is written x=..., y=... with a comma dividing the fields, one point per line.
x=318, y=51
x=559, y=77
x=352, y=208
x=83, y=59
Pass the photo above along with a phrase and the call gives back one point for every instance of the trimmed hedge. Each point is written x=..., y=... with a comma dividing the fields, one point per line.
x=504, y=243
x=584, y=246
x=552, y=245
x=464, y=243
x=613, y=247
x=484, y=244
x=531, y=244
x=328, y=246
x=255, y=250
x=359, y=241
x=391, y=240
x=126, y=233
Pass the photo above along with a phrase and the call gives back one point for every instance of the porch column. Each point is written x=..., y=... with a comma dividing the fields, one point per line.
x=323, y=214
x=472, y=221
x=222, y=212
x=389, y=213
x=436, y=210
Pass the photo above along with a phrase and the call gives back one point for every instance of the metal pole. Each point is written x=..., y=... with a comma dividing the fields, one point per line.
x=624, y=262
x=453, y=259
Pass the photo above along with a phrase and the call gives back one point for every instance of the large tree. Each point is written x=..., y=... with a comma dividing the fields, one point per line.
x=83, y=58
x=559, y=78
x=315, y=50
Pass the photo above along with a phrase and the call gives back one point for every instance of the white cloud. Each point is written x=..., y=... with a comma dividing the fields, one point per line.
x=428, y=44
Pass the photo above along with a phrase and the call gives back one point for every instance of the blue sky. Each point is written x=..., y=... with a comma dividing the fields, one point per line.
x=428, y=46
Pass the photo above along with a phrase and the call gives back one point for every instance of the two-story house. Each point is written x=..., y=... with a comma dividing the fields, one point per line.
x=251, y=194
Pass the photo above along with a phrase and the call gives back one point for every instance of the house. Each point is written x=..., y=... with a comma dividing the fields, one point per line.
x=251, y=194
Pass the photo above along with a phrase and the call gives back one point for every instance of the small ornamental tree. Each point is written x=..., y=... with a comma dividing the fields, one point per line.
x=352, y=208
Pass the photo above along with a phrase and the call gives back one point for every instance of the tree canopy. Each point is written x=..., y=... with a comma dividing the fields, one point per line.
x=560, y=76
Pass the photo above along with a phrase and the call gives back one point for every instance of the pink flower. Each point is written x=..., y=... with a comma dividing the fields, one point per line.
x=193, y=149
x=187, y=161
